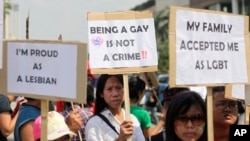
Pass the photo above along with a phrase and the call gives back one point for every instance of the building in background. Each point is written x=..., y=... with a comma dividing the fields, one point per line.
x=12, y=22
x=231, y=6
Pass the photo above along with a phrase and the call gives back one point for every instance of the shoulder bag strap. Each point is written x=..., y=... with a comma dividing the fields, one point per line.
x=107, y=121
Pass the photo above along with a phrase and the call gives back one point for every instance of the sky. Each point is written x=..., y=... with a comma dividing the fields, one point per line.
x=50, y=18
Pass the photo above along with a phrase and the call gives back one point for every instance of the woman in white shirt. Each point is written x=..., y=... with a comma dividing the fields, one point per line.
x=109, y=101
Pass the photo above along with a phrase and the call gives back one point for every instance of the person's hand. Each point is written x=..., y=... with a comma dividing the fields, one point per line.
x=18, y=105
x=126, y=130
x=74, y=121
x=161, y=120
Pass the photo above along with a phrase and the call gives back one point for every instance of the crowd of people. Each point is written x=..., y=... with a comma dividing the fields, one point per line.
x=102, y=118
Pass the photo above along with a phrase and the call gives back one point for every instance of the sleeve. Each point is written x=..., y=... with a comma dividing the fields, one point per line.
x=92, y=130
x=4, y=104
x=146, y=120
x=137, y=135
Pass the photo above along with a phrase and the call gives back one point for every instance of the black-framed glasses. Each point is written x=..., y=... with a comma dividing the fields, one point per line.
x=226, y=104
x=196, y=120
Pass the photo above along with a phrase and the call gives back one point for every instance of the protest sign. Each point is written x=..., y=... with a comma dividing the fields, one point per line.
x=235, y=91
x=122, y=42
x=45, y=69
x=207, y=46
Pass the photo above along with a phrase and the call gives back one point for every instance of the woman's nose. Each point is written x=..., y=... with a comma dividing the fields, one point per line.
x=189, y=124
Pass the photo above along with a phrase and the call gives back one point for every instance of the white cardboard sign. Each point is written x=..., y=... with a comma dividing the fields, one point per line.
x=238, y=91
x=122, y=43
x=210, y=48
x=42, y=69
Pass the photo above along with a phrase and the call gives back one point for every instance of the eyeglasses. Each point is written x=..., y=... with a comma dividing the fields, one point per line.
x=196, y=120
x=225, y=104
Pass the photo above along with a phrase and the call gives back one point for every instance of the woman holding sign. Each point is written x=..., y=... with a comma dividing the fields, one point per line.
x=108, y=122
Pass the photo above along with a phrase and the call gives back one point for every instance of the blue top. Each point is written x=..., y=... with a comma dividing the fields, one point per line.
x=4, y=107
x=27, y=113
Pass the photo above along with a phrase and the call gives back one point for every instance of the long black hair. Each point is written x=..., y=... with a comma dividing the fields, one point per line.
x=179, y=105
x=136, y=86
x=100, y=102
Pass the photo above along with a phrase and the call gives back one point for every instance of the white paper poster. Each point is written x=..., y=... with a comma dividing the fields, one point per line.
x=210, y=48
x=43, y=69
x=238, y=91
x=122, y=43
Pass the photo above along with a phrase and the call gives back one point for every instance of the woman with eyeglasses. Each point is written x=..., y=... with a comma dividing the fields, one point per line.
x=225, y=113
x=168, y=95
x=186, y=118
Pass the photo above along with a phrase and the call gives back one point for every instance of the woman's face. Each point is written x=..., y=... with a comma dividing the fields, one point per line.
x=225, y=111
x=190, y=126
x=113, y=93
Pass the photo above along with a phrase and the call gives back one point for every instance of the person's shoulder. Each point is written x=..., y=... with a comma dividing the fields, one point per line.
x=30, y=108
x=141, y=111
x=3, y=97
x=87, y=112
x=93, y=120
x=134, y=119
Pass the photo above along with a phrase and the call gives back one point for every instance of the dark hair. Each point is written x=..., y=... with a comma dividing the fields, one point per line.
x=169, y=93
x=136, y=86
x=100, y=102
x=218, y=89
x=30, y=99
x=240, y=107
x=90, y=94
x=180, y=104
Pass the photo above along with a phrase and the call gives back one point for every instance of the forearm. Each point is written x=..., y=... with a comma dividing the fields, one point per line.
x=8, y=124
x=157, y=128
x=14, y=119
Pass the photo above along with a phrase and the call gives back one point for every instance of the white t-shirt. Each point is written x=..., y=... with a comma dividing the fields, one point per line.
x=97, y=130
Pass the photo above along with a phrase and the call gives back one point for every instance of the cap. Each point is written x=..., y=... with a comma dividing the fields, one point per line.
x=56, y=126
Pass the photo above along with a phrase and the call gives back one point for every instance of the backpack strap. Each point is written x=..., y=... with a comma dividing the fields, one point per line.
x=107, y=121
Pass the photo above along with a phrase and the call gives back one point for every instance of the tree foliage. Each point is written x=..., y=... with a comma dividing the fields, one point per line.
x=143, y=6
x=161, y=19
x=7, y=8
x=163, y=60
